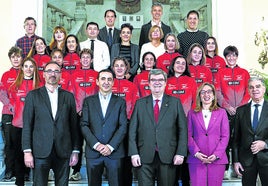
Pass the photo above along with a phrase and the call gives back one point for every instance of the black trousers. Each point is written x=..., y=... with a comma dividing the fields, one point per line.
x=19, y=156
x=8, y=150
x=250, y=174
x=60, y=167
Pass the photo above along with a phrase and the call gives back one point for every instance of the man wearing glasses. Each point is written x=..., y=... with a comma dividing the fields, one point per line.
x=157, y=134
x=50, y=134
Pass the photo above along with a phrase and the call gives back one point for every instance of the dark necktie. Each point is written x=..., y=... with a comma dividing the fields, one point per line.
x=110, y=37
x=255, y=120
x=156, y=110
x=92, y=45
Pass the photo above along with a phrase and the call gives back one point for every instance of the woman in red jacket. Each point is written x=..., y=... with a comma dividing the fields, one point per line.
x=71, y=60
x=40, y=54
x=27, y=80
x=141, y=80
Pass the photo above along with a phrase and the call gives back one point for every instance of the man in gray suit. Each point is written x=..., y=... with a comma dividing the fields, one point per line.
x=50, y=134
x=104, y=126
x=157, y=134
x=250, y=142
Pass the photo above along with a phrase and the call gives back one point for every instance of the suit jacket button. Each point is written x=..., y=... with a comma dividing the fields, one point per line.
x=206, y=134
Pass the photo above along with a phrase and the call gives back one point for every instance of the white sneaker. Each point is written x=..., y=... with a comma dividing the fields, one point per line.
x=51, y=175
x=75, y=177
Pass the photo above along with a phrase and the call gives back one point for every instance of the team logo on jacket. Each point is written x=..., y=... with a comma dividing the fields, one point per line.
x=71, y=67
x=233, y=82
x=178, y=92
x=120, y=94
x=85, y=84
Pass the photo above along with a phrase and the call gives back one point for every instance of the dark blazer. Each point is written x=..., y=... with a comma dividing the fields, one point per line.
x=135, y=56
x=103, y=35
x=170, y=133
x=244, y=135
x=145, y=31
x=40, y=131
x=110, y=129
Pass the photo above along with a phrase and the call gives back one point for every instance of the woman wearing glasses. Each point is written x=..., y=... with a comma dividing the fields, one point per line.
x=208, y=136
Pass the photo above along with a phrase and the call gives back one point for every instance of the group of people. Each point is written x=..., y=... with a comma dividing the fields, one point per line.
x=170, y=107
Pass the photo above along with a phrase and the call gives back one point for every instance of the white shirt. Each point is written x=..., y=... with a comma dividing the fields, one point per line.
x=148, y=47
x=104, y=101
x=53, y=97
x=101, y=55
x=206, y=117
x=159, y=102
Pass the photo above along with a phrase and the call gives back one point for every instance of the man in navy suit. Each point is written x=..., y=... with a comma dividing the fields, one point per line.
x=50, y=134
x=250, y=150
x=104, y=126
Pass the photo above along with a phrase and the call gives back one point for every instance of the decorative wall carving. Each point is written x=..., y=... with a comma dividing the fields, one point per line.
x=161, y=1
x=94, y=2
x=128, y=6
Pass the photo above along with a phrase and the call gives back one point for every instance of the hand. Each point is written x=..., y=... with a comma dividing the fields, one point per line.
x=73, y=159
x=202, y=157
x=178, y=160
x=28, y=159
x=212, y=158
x=231, y=110
x=257, y=146
x=104, y=150
x=136, y=160
x=237, y=168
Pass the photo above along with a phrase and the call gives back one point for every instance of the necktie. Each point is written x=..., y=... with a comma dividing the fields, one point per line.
x=255, y=120
x=110, y=37
x=92, y=45
x=156, y=110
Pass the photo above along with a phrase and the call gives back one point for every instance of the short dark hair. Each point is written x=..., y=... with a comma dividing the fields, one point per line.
x=127, y=25
x=106, y=70
x=193, y=12
x=171, y=71
x=110, y=10
x=86, y=51
x=143, y=58
x=157, y=71
x=92, y=23
x=29, y=18
x=230, y=49
x=14, y=50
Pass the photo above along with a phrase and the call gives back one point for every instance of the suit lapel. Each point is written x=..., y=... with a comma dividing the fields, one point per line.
x=164, y=108
x=60, y=103
x=97, y=105
x=201, y=121
x=110, y=106
x=263, y=116
x=44, y=94
x=149, y=108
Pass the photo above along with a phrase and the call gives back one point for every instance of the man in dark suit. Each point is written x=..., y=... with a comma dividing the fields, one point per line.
x=250, y=151
x=50, y=130
x=157, y=134
x=104, y=126
x=156, y=11
x=109, y=16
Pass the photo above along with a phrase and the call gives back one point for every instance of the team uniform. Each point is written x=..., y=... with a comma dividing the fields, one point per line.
x=41, y=60
x=127, y=90
x=201, y=74
x=164, y=61
x=84, y=84
x=142, y=83
x=184, y=88
x=214, y=64
x=71, y=62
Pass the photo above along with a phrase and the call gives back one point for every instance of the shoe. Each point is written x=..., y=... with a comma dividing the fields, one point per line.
x=75, y=177
x=51, y=175
x=26, y=177
x=9, y=177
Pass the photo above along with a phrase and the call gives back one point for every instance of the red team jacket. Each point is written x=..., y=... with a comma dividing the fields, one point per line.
x=184, y=88
x=127, y=90
x=84, y=84
x=214, y=64
x=201, y=74
x=7, y=79
x=71, y=62
x=232, y=87
x=41, y=60
x=164, y=61
x=142, y=83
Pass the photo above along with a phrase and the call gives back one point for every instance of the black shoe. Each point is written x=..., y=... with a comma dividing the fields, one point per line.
x=26, y=177
x=9, y=176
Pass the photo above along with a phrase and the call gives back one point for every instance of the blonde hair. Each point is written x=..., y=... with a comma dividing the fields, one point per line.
x=152, y=29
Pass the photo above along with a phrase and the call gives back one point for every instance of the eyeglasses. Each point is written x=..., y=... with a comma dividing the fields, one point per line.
x=49, y=71
x=157, y=80
x=203, y=92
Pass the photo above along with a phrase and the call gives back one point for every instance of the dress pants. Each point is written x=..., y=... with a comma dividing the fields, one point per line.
x=165, y=174
x=250, y=174
x=95, y=169
x=60, y=167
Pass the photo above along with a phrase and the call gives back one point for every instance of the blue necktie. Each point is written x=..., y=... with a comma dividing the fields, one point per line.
x=255, y=120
